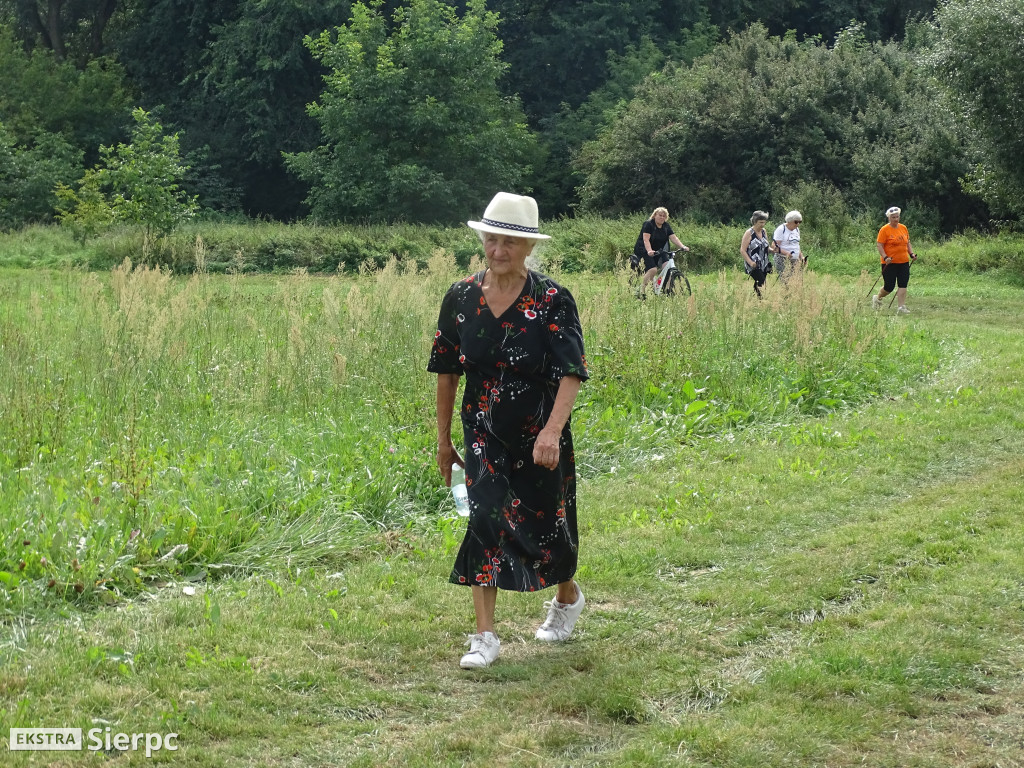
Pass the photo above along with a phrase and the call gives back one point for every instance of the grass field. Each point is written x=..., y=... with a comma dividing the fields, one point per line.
x=800, y=528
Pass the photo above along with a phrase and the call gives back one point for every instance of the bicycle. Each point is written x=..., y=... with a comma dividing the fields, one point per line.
x=670, y=280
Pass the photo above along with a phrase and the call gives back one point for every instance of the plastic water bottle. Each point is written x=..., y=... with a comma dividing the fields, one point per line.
x=459, y=492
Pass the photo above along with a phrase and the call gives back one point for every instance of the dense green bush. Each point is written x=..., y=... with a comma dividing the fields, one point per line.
x=29, y=173
x=54, y=116
x=133, y=184
x=765, y=120
x=413, y=123
x=979, y=57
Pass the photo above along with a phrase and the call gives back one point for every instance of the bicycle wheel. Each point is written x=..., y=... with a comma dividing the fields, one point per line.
x=685, y=283
x=676, y=284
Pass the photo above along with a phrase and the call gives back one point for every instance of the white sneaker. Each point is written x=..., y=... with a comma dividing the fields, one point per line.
x=483, y=651
x=902, y=311
x=875, y=303
x=561, y=619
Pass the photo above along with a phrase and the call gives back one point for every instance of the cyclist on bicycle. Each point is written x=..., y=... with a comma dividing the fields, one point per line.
x=654, y=236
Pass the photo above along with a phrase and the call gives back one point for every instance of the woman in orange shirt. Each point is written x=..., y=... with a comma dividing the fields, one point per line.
x=893, y=243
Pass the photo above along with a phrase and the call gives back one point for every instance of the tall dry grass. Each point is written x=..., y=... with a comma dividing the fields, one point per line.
x=162, y=426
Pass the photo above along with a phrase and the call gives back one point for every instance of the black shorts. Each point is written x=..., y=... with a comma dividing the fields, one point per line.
x=895, y=274
x=643, y=263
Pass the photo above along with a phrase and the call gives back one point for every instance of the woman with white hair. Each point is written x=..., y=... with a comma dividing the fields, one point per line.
x=787, y=246
x=516, y=336
x=893, y=244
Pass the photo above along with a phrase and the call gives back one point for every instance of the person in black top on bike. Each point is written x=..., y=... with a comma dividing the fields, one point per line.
x=654, y=235
x=755, y=249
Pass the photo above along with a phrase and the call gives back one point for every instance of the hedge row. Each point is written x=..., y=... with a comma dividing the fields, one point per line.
x=579, y=244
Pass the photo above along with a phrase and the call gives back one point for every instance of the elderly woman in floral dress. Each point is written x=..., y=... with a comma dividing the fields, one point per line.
x=515, y=334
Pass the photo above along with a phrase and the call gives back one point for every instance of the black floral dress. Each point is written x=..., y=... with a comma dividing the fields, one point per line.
x=522, y=531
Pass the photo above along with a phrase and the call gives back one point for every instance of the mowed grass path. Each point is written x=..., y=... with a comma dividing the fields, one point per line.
x=835, y=592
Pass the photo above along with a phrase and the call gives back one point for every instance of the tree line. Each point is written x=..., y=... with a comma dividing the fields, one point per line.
x=417, y=110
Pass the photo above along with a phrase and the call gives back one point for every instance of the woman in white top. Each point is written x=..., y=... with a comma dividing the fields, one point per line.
x=787, y=246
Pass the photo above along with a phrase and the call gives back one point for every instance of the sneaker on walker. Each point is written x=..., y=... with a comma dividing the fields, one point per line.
x=561, y=619
x=875, y=303
x=483, y=651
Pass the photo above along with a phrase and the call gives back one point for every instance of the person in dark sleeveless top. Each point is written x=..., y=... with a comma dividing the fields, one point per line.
x=755, y=249
x=654, y=235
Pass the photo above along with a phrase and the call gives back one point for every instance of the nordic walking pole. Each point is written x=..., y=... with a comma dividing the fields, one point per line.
x=872, y=289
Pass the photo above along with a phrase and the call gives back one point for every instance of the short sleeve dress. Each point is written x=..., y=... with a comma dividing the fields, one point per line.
x=522, y=532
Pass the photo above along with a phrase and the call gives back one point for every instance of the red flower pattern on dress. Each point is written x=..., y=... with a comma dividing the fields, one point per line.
x=509, y=351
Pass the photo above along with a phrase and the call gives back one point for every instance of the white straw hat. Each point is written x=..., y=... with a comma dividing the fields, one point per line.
x=509, y=214
x=892, y=210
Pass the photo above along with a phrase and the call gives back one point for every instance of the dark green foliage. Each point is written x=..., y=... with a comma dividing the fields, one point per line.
x=258, y=80
x=236, y=78
x=86, y=106
x=72, y=30
x=881, y=20
x=413, y=124
x=558, y=50
x=134, y=184
x=571, y=60
x=814, y=107
x=981, y=56
x=29, y=173
x=566, y=131
x=53, y=117
x=746, y=125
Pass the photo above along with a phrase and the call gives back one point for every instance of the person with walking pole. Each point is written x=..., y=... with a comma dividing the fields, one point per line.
x=893, y=243
x=788, y=255
x=756, y=250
